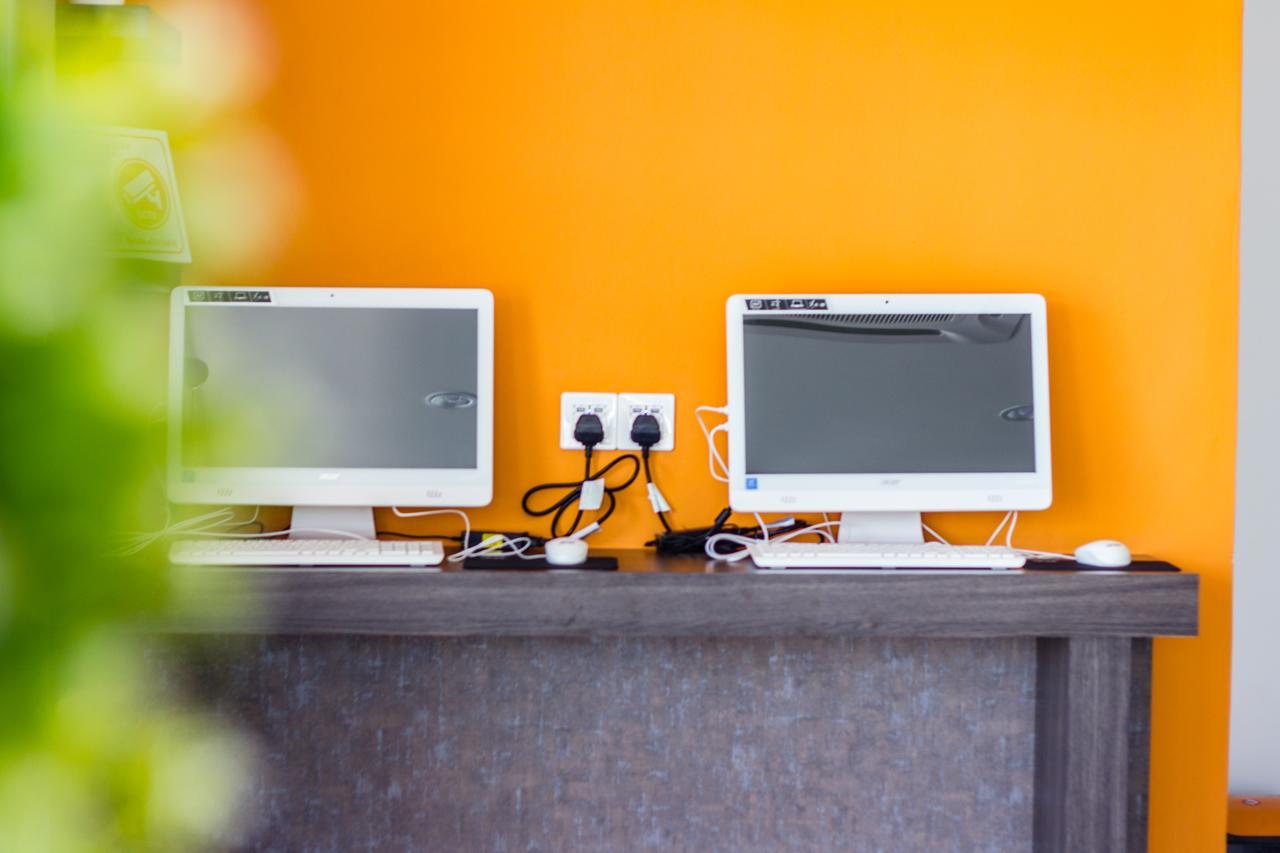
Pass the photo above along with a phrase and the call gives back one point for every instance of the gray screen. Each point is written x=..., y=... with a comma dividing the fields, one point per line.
x=331, y=387
x=888, y=393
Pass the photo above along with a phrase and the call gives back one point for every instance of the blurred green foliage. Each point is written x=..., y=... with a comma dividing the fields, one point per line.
x=95, y=753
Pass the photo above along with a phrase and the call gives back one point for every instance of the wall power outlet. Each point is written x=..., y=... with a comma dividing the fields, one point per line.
x=574, y=404
x=661, y=406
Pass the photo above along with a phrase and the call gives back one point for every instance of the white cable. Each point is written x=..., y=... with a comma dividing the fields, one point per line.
x=497, y=545
x=345, y=534
x=826, y=518
x=1010, y=518
x=1043, y=555
x=211, y=517
x=714, y=457
x=1008, y=535
x=133, y=543
x=999, y=527
x=746, y=541
x=585, y=532
x=713, y=453
x=767, y=526
x=1029, y=553
x=466, y=519
x=203, y=521
x=501, y=545
x=934, y=533
x=822, y=529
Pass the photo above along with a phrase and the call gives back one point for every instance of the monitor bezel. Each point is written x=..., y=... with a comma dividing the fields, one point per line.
x=888, y=492
x=418, y=487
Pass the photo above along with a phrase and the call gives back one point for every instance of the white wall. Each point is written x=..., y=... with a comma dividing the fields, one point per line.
x=1255, y=672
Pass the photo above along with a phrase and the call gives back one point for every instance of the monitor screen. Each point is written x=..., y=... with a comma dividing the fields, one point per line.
x=888, y=393
x=321, y=387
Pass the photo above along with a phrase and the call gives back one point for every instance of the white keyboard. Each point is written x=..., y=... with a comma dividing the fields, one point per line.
x=928, y=555
x=305, y=552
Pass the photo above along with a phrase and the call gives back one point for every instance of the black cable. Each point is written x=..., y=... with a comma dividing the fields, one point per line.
x=573, y=491
x=646, y=431
x=648, y=478
x=694, y=540
x=401, y=535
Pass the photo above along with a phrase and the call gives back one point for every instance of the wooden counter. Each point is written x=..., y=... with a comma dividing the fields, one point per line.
x=681, y=704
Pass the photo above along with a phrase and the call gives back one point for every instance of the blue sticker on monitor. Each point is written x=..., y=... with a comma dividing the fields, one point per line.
x=753, y=483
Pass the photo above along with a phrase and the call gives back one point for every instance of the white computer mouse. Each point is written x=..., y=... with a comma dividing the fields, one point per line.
x=1104, y=554
x=565, y=551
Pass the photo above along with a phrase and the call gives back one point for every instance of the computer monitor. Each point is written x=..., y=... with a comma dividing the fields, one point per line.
x=883, y=406
x=332, y=400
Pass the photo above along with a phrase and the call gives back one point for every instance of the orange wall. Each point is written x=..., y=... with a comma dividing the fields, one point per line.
x=614, y=170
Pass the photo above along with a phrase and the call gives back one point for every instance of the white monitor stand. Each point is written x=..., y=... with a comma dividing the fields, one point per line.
x=309, y=521
x=903, y=528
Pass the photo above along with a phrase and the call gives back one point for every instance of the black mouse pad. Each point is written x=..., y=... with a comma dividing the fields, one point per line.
x=516, y=564
x=1073, y=566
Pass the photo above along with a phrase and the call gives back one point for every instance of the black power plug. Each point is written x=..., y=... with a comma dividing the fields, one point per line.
x=588, y=430
x=646, y=431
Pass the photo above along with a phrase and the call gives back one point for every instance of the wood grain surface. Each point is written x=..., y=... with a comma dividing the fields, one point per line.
x=681, y=704
x=686, y=597
x=1092, y=744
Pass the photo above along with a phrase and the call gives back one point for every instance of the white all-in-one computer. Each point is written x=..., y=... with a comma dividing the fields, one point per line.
x=881, y=407
x=331, y=400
